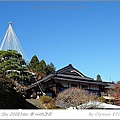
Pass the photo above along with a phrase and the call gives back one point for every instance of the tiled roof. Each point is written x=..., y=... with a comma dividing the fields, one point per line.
x=110, y=86
x=68, y=73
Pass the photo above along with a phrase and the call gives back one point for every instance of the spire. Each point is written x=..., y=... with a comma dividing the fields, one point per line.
x=11, y=42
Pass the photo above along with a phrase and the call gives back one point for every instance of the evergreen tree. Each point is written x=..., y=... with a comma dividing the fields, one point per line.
x=8, y=96
x=33, y=63
x=50, y=69
x=41, y=67
x=99, y=78
x=118, y=82
x=14, y=66
x=11, y=60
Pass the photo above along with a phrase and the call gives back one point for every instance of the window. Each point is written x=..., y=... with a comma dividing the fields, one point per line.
x=59, y=89
x=73, y=85
x=84, y=86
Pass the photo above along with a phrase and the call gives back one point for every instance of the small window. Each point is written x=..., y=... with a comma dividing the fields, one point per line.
x=84, y=86
x=73, y=85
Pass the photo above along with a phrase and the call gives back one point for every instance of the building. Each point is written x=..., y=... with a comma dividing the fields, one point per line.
x=65, y=78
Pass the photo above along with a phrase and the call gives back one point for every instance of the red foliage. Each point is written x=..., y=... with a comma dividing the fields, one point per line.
x=116, y=94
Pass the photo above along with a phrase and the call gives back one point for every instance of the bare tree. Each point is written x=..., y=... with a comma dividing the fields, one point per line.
x=72, y=97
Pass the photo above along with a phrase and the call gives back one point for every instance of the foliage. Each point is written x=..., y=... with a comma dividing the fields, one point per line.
x=113, y=82
x=72, y=97
x=51, y=105
x=33, y=63
x=47, y=101
x=8, y=96
x=101, y=99
x=14, y=66
x=11, y=59
x=118, y=82
x=99, y=78
x=50, y=69
x=40, y=67
x=116, y=94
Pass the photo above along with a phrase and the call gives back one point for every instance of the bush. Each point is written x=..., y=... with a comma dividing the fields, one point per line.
x=51, y=105
x=47, y=102
x=101, y=99
x=73, y=97
x=45, y=99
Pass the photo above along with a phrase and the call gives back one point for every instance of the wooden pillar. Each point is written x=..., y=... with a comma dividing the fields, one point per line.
x=79, y=85
x=54, y=88
x=89, y=86
x=68, y=84
x=47, y=84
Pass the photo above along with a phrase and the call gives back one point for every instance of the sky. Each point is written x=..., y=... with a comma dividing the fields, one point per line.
x=84, y=34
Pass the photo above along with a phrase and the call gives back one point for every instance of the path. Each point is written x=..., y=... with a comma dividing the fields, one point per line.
x=34, y=103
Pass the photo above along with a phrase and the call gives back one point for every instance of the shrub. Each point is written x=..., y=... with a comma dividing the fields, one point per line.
x=45, y=99
x=101, y=99
x=51, y=105
x=73, y=97
x=47, y=102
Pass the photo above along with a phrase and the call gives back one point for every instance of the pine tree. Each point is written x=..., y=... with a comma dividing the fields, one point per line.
x=99, y=78
x=8, y=96
x=33, y=63
x=50, y=69
x=41, y=67
x=12, y=63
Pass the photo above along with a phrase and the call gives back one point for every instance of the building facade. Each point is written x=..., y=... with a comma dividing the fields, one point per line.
x=65, y=78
